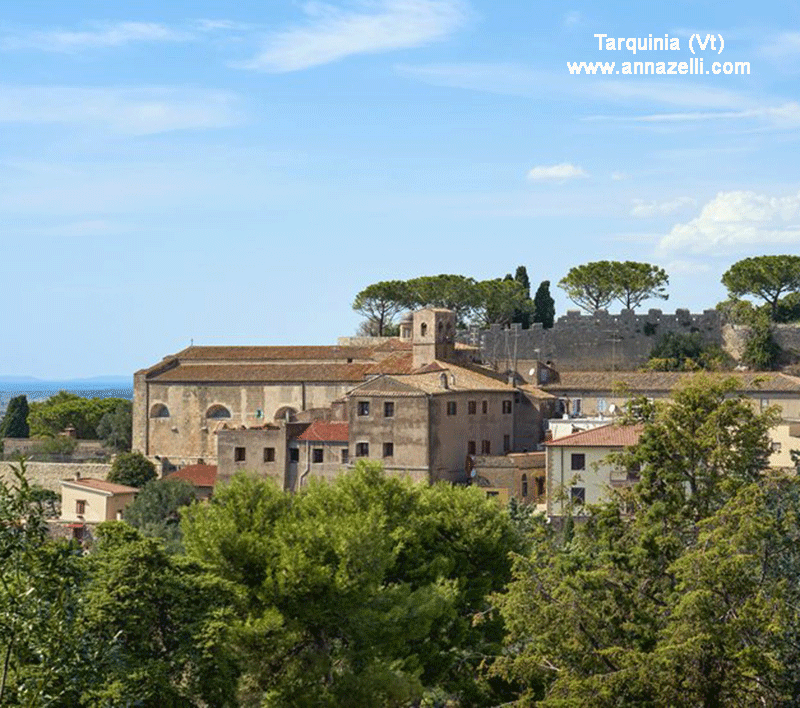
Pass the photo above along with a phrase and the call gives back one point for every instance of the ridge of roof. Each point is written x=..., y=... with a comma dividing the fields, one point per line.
x=611, y=435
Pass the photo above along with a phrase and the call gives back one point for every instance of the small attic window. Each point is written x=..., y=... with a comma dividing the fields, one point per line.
x=159, y=410
x=218, y=411
x=423, y=329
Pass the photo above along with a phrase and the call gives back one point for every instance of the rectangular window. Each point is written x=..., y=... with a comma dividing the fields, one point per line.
x=471, y=447
x=239, y=454
x=506, y=443
x=578, y=461
x=294, y=454
x=576, y=406
x=269, y=454
x=345, y=455
x=776, y=447
x=764, y=404
x=388, y=409
x=317, y=455
x=506, y=407
x=388, y=449
x=363, y=407
x=484, y=407
x=451, y=408
x=578, y=495
x=486, y=447
x=80, y=506
x=540, y=482
x=362, y=449
x=472, y=407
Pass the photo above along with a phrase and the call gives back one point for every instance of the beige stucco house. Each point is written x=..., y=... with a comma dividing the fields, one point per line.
x=92, y=501
x=578, y=469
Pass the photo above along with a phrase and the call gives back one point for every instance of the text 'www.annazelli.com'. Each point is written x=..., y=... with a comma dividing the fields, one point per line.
x=694, y=66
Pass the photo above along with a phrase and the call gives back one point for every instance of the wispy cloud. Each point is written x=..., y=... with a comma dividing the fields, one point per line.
x=737, y=220
x=134, y=111
x=786, y=115
x=645, y=209
x=618, y=176
x=782, y=46
x=556, y=173
x=572, y=18
x=521, y=80
x=331, y=33
x=96, y=36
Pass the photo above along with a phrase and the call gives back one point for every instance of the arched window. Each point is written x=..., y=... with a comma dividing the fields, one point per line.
x=286, y=413
x=423, y=329
x=524, y=485
x=218, y=411
x=159, y=410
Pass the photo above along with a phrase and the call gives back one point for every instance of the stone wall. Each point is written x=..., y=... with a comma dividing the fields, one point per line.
x=50, y=474
x=599, y=342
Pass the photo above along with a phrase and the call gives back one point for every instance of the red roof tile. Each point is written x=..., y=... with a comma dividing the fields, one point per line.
x=198, y=475
x=604, y=436
x=322, y=431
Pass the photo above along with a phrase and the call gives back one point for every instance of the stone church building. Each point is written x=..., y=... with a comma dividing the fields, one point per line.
x=417, y=403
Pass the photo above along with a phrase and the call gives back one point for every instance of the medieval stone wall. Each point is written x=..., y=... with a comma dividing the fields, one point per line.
x=598, y=342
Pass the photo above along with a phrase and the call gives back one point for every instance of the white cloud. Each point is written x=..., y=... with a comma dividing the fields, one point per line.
x=331, y=33
x=572, y=18
x=618, y=176
x=556, y=173
x=135, y=111
x=100, y=35
x=645, y=209
x=684, y=267
x=734, y=221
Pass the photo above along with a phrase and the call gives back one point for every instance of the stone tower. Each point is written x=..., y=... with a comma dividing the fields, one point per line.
x=433, y=336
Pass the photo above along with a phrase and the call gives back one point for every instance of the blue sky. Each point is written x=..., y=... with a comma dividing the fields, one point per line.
x=235, y=173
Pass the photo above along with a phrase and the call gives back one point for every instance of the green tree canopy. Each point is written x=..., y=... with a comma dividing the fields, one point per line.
x=544, y=307
x=115, y=428
x=765, y=277
x=365, y=591
x=454, y=292
x=686, y=351
x=612, y=614
x=15, y=421
x=502, y=301
x=132, y=469
x=636, y=282
x=593, y=286
x=590, y=286
x=156, y=509
x=49, y=418
x=380, y=303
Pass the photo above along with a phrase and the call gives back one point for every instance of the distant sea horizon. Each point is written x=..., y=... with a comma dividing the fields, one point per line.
x=41, y=389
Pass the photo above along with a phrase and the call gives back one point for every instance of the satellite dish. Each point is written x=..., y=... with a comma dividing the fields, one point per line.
x=612, y=408
x=532, y=372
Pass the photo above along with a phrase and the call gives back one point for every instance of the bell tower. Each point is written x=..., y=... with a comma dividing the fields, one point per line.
x=433, y=336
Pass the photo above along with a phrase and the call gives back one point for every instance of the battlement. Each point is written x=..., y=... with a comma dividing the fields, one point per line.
x=600, y=341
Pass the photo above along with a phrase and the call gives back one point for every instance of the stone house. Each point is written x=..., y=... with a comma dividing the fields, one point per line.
x=517, y=475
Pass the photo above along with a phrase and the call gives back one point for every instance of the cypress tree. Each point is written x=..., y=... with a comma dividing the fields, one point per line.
x=15, y=421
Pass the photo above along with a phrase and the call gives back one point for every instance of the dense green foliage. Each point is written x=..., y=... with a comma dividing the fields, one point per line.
x=499, y=300
x=115, y=428
x=156, y=510
x=544, y=307
x=669, y=594
x=593, y=286
x=132, y=469
x=49, y=418
x=686, y=352
x=369, y=591
x=761, y=351
x=15, y=420
x=765, y=277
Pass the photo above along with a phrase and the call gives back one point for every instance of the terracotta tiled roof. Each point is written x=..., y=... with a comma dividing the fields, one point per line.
x=604, y=436
x=257, y=373
x=276, y=353
x=100, y=485
x=198, y=475
x=399, y=362
x=667, y=380
x=322, y=431
x=428, y=380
